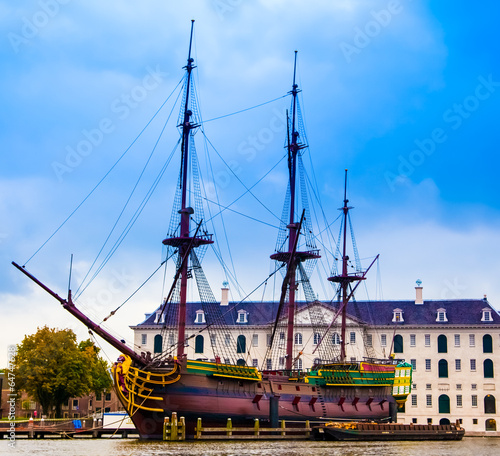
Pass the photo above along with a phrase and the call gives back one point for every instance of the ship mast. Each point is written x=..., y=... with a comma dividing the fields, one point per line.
x=184, y=242
x=292, y=256
x=345, y=279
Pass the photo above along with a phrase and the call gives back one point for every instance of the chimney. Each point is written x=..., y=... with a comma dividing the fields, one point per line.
x=418, y=295
x=224, y=300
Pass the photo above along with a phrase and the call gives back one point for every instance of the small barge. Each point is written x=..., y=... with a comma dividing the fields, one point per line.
x=389, y=431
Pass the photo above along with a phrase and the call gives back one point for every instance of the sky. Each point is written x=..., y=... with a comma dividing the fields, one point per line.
x=405, y=94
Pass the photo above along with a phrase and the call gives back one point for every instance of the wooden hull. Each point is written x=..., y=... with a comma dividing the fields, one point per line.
x=215, y=399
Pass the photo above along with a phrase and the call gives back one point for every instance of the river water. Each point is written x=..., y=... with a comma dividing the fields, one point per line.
x=129, y=447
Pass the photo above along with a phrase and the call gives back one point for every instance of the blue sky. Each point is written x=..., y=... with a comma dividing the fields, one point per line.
x=405, y=94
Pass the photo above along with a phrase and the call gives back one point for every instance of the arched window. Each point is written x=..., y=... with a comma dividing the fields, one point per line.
x=298, y=339
x=489, y=404
x=241, y=344
x=317, y=338
x=443, y=368
x=444, y=404
x=335, y=339
x=444, y=421
x=198, y=344
x=241, y=362
x=398, y=343
x=490, y=425
x=488, y=368
x=442, y=344
x=487, y=344
x=158, y=344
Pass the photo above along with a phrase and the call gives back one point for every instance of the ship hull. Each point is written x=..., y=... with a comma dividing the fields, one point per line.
x=215, y=399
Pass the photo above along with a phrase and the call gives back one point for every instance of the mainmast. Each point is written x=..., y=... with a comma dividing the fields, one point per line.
x=293, y=147
x=345, y=279
x=184, y=242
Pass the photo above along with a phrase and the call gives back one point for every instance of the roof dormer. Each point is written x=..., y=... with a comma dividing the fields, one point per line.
x=486, y=317
x=397, y=315
x=200, y=316
x=242, y=316
x=441, y=316
x=157, y=316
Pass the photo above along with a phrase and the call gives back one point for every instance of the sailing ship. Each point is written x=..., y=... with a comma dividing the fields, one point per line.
x=152, y=387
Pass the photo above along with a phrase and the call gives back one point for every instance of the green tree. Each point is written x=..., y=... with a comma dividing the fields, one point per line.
x=51, y=367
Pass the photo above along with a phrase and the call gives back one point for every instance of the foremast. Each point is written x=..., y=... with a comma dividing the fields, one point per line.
x=184, y=242
x=292, y=256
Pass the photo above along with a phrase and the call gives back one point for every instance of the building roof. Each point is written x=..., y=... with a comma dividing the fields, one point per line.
x=377, y=313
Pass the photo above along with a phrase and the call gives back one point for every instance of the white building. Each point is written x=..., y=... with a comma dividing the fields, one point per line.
x=453, y=345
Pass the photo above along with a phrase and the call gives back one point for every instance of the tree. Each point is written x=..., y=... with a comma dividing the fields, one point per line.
x=51, y=367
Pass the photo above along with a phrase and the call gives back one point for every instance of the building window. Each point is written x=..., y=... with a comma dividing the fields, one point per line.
x=487, y=344
x=441, y=316
x=457, y=340
x=281, y=361
x=459, y=386
x=442, y=344
x=428, y=400
x=144, y=339
x=428, y=386
x=299, y=363
x=488, y=368
x=200, y=316
x=213, y=340
x=269, y=364
x=352, y=338
x=489, y=404
x=171, y=339
x=75, y=404
x=383, y=340
x=255, y=362
x=413, y=340
x=242, y=316
x=486, y=315
x=108, y=397
x=98, y=397
x=398, y=343
x=298, y=339
x=473, y=386
x=474, y=400
x=473, y=365
x=268, y=340
x=472, y=340
x=227, y=340
x=317, y=338
x=459, y=400
x=427, y=340
x=414, y=400
x=335, y=339
x=443, y=368
x=369, y=340
x=241, y=344
x=158, y=344
x=282, y=337
x=458, y=364
x=198, y=344
x=474, y=420
x=427, y=364
x=397, y=315
x=413, y=363
x=255, y=340
x=444, y=403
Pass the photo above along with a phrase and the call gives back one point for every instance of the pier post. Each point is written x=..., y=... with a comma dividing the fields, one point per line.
x=256, y=427
x=182, y=425
x=283, y=432
x=31, y=431
x=308, y=426
x=173, y=430
x=229, y=427
x=198, y=429
x=166, y=428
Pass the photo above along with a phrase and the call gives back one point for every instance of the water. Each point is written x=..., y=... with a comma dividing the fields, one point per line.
x=129, y=447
